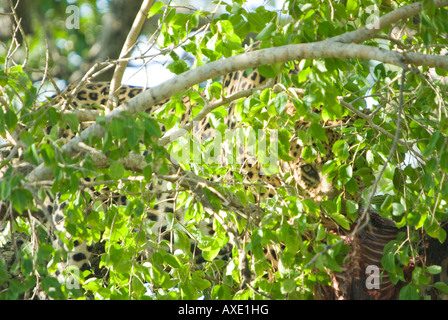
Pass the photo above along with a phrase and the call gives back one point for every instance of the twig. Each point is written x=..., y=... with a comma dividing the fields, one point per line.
x=378, y=128
x=126, y=51
x=19, y=26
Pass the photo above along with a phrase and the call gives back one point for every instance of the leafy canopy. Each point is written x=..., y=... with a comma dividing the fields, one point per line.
x=412, y=190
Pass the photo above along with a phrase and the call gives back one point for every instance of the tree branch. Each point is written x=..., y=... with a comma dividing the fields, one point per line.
x=126, y=51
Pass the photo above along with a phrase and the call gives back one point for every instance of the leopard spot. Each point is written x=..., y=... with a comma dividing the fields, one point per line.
x=79, y=257
x=152, y=216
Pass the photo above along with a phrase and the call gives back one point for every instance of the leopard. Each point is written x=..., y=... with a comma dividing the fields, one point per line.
x=305, y=176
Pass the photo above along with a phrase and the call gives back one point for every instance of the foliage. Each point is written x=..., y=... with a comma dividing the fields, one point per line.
x=412, y=191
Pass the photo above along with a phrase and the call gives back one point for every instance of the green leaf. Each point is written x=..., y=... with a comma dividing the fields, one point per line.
x=309, y=154
x=431, y=144
x=351, y=186
x=321, y=233
x=173, y=261
x=269, y=71
x=108, y=143
x=352, y=6
x=147, y=173
x=157, y=275
x=132, y=137
x=3, y=272
x=434, y=230
x=397, y=209
x=178, y=66
x=152, y=128
x=352, y=209
x=289, y=235
x=19, y=200
x=388, y=262
x=413, y=218
x=210, y=254
x=116, y=127
x=280, y=102
x=345, y=173
x=155, y=9
x=116, y=170
x=359, y=123
x=331, y=263
x=32, y=155
x=310, y=206
x=370, y=158
x=139, y=209
x=441, y=286
x=27, y=138
x=157, y=257
x=255, y=109
x=434, y=269
x=225, y=26
x=199, y=283
x=53, y=116
x=428, y=181
x=340, y=149
x=48, y=154
x=288, y=286
x=267, y=31
x=138, y=287
x=352, y=87
x=317, y=132
x=444, y=162
x=329, y=206
x=341, y=220
x=329, y=166
x=409, y=292
x=5, y=189
x=387, y=203
x=441, y=236
x=284, y=144
x=431, y=165
x=71, y=120
x=221, y=292
x=10, y=119
x=398, y=179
